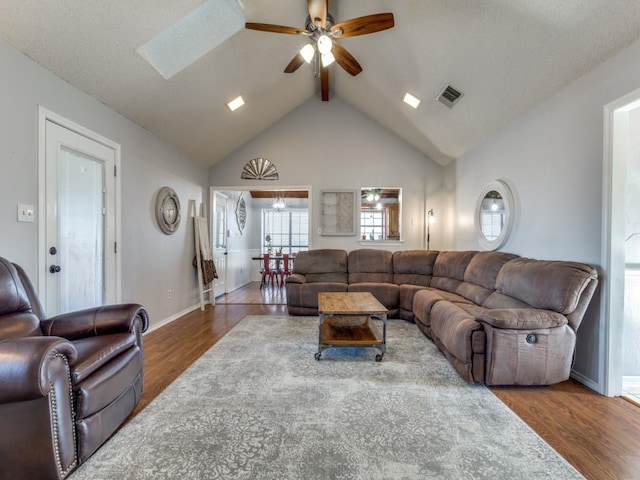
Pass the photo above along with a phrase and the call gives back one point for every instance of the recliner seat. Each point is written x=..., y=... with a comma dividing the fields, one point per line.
x=66, y=383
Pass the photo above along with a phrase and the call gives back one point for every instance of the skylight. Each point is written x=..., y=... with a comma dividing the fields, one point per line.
x=193, y=36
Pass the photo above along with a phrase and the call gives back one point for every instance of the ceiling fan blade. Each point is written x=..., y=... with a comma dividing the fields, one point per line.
x=364, y=25
x=345, y=59
x=324, y=83
x=267, y=27
x=318, y=9
x=294, y=64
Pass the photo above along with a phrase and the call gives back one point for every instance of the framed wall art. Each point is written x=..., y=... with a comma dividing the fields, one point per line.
x=338, y=212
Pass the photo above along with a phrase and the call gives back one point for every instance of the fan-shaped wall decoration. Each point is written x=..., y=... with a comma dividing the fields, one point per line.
x=260, y=169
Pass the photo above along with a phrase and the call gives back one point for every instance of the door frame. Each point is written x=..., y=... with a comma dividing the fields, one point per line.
x=613, y=232
x=261, y=188
x=212, y=234
x=45, y=115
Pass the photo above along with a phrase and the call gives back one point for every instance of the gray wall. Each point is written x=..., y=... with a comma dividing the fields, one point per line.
x=553, y=156
x=332, y=145
x=152, y=262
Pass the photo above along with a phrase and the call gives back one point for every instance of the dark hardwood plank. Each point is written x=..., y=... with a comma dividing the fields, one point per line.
x=599, y=436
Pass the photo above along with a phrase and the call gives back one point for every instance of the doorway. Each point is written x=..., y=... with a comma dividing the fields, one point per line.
x=621, y=247
x=245, y=241
x=78, y=200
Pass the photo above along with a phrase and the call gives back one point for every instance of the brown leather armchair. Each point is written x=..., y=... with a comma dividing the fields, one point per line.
x=66, y=383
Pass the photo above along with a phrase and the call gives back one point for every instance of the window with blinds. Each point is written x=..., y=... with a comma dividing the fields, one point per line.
x=285, y=231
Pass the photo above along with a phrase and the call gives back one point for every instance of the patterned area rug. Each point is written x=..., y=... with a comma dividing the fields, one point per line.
x=258, y=406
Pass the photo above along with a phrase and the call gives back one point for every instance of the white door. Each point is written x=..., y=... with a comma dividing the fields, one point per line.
x=220, y=242
x=79, y=239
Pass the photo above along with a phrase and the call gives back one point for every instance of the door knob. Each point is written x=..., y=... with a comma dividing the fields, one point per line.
x=53, y=251
x=54, y=268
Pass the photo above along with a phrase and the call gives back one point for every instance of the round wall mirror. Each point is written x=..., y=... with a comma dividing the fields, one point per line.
x=168, y=210
x=494, y=215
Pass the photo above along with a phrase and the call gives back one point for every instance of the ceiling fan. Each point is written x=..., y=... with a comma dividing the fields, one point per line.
x=323, y=32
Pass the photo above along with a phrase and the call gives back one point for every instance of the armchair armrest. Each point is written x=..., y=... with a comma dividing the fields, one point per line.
x=27, y=370
x=96, y=321
x=522, y=318
x=296, y=278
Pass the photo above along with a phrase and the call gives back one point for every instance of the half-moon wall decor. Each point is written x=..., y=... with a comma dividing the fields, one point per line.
x=259, y=169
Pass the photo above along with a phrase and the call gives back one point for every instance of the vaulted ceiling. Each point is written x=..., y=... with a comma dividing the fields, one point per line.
x=506, y=56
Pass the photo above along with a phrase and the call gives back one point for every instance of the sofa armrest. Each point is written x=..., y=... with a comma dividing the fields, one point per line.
x=96, y=321
x=31, y=365
x=522, y=318
x=296, y=278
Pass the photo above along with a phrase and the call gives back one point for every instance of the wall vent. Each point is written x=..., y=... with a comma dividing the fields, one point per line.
x=449, y=96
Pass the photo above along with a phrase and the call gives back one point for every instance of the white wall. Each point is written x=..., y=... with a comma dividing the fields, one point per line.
x=553, y=157
x=332, y=145
x=152, y=262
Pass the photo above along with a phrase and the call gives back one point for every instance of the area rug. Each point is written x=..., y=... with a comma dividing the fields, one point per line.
x=258, y=405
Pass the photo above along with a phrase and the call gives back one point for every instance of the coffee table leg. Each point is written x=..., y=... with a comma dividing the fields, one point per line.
x=318, y=354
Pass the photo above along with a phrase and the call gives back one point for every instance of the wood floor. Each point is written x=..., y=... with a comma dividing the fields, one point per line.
x=599, y=436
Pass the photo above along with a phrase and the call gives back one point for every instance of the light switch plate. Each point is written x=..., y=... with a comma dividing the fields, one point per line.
x=26, y=213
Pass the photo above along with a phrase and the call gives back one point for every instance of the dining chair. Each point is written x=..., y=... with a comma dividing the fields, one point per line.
x=285, y=271
x=266, y=271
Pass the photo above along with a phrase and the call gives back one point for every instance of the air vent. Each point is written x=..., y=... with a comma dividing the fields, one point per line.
x=449, y=96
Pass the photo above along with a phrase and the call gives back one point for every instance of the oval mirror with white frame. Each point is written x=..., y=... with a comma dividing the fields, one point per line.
x=494, y=215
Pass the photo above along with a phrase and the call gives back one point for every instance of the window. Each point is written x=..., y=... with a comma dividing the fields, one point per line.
x=492, y=224
x=372, y=224
x=285, y=231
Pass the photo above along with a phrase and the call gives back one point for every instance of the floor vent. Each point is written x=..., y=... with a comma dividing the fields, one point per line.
x=449, y=96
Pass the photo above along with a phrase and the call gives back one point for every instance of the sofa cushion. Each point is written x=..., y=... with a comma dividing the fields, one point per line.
x=14, y=325
x=550, y=285
x=306, y=294
x=322, y=265
x=97, y=391
x=94, y=352
x=414, y=267
x=370, y=265
x=388, y=294
x=455, y=329
x=522, y=318
x=480, y=275
x=484, y=267
x=13, y=296
x=449, y=268
x=407, y=293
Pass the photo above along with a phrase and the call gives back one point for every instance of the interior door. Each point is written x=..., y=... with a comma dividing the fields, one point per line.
x=220, y=242
x=80, y=221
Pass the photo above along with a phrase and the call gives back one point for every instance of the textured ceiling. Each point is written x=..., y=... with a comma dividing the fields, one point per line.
x=506, y=56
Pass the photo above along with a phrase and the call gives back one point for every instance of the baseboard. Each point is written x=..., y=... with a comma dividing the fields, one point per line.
x=586, y=381
x=167, y=321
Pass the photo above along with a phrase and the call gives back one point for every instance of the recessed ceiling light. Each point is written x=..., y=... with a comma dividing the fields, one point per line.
x=236, y=103
x=411, y=100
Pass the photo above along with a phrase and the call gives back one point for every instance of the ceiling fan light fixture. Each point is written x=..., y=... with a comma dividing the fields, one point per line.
x=411, y=100
x=307, y=52
x=324, y=44
x=328, y=59
x=236, y=103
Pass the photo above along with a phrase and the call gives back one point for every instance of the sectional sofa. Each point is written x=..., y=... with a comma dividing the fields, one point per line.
x=498, y=318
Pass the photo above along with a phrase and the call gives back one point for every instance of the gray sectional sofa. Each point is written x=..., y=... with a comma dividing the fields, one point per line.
x=498, y=318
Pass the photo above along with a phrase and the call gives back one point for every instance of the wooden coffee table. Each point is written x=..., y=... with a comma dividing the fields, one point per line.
x=347, y=320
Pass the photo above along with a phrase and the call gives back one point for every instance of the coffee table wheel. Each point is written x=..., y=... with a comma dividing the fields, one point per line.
x=379, y=357
x=317, y=356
